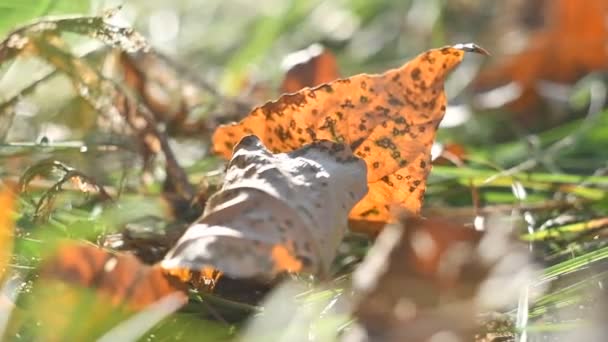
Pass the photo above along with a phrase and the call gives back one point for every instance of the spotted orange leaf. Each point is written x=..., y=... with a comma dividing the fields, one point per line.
x=389, y=120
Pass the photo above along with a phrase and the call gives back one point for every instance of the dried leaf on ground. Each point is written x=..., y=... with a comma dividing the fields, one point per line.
x=275, y=213
x=121, y=278
x=570, y=44
x=309, y=68
x=175, y=94
x=68, y=175
x=43, y=39
x=388, y=120
x=429, y=278
x=83, y=291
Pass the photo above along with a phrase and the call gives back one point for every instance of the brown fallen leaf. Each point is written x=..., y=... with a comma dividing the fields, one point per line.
x=569, y=44
x=84, y=291
x=309, y=68
x=274, y=213
x=388, y=120
x=121, y=278
x=427, y=279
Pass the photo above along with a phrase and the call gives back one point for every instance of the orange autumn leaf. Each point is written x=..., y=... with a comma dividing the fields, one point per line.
x=310, y=67
x=388, y=120
x=121, y=278
x=7, y=202
x=84, y=292
x=570, y=44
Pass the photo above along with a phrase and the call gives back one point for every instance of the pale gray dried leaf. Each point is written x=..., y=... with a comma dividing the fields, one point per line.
x=275, y=212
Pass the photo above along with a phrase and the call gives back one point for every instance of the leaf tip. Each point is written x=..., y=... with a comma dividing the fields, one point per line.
x=472, y=47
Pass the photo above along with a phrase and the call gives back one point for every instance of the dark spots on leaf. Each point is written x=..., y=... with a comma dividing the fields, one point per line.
x=369, y=212
x=402, y=163
x=366, y=148
x=386, y=180
x=393, y=101
x=314, y=112
x=327, y=88
x=396, y=154
x=412, y=189
x=300, y=130
x=228, y=145
x=311, y=132
x=362, y=128
x=347, y=104
x=363, y=85
x=421, y=129
x=292, y=124
x=283, y=134
x=415, y=74
x=443, y=108
x=416, y=182
x=399, y=177
x=340, y=115
x=355, y=144
x=422, y=164
x=363, y=99
x=376, y=165
x=386, y=143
